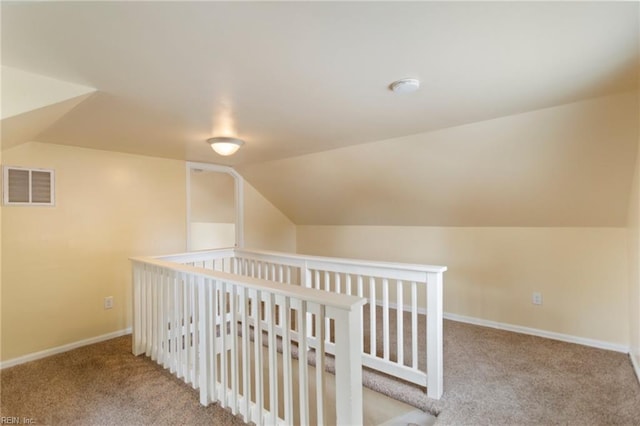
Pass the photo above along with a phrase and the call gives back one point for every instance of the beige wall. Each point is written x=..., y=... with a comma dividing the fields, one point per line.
x=60, y=262
x=212, y=213
x=212, y=197
x=265, y=227
x=581, y=272
x=1, y=207
x=634, y=263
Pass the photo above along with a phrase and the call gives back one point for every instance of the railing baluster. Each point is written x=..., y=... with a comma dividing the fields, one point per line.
x=273, y=358
x=327, y=287
x=148, y=310
x=372, y=315
x=399, y=322
x=195, y=333
x=213, y=337
x=320, y=365
x=203, y=346
x=246, y=367
x=187, y=329
x=193, y=330
x=414, y=324
x=179, y=325
x=385, y=318
x=257, y=344
x=286, y=363
x=303, y=370
x=166, y=318
x=360, y=290
x=154, y=314
x=224, y=369
x=137, y=304
x=234, y=349
x=175, y=323
x=183, y=329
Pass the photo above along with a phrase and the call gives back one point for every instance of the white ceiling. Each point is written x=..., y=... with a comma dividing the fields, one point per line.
x=293, y=78
x=541, y=81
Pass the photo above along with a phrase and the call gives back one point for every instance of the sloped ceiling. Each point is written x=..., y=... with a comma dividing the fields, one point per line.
x=23, y=91
x=27, y=126
x=32, y=103
x=563, y=166
x=306, y=85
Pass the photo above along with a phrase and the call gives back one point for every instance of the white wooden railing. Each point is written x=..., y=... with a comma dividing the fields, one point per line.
x=236, y=339
x=403, y=294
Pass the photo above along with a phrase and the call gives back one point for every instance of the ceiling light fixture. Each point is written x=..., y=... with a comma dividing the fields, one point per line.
x=406, y=85
x=225, y=145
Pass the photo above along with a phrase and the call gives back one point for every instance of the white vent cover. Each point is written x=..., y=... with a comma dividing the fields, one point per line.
x=28, y=186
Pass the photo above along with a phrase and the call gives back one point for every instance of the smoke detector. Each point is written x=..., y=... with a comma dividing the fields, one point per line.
x=406, y=85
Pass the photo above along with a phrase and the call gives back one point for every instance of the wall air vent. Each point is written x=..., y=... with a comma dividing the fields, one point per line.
x=27, y=187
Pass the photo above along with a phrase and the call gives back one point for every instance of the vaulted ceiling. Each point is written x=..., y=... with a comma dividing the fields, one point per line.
x=527, y=113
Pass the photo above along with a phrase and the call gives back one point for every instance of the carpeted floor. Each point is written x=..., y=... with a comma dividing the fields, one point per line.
x=492, y=377
x=103, y=384
x=495, y=377
x=499, y=377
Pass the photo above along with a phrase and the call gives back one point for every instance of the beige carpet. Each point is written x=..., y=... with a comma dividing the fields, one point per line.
x=499, y=377
x=492, y=377
x=103, y=384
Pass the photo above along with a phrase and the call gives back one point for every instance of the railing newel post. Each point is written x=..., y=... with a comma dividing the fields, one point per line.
x=348, y=364
x=435, y=371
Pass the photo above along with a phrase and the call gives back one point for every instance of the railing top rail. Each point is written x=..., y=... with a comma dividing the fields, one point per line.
x=195, y=256
x=335, y=300
x=349, y=262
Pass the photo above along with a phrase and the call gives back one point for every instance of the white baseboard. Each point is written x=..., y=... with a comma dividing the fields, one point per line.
x=636, y=364
x=539, y=333
x=526, y=330
x=64, y=348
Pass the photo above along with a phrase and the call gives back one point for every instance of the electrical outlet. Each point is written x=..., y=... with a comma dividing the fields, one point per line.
x=536, y=298
x=108, y=302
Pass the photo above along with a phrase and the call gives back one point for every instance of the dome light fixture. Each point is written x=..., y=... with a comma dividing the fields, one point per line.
x=224, y=145
x=406, y=85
